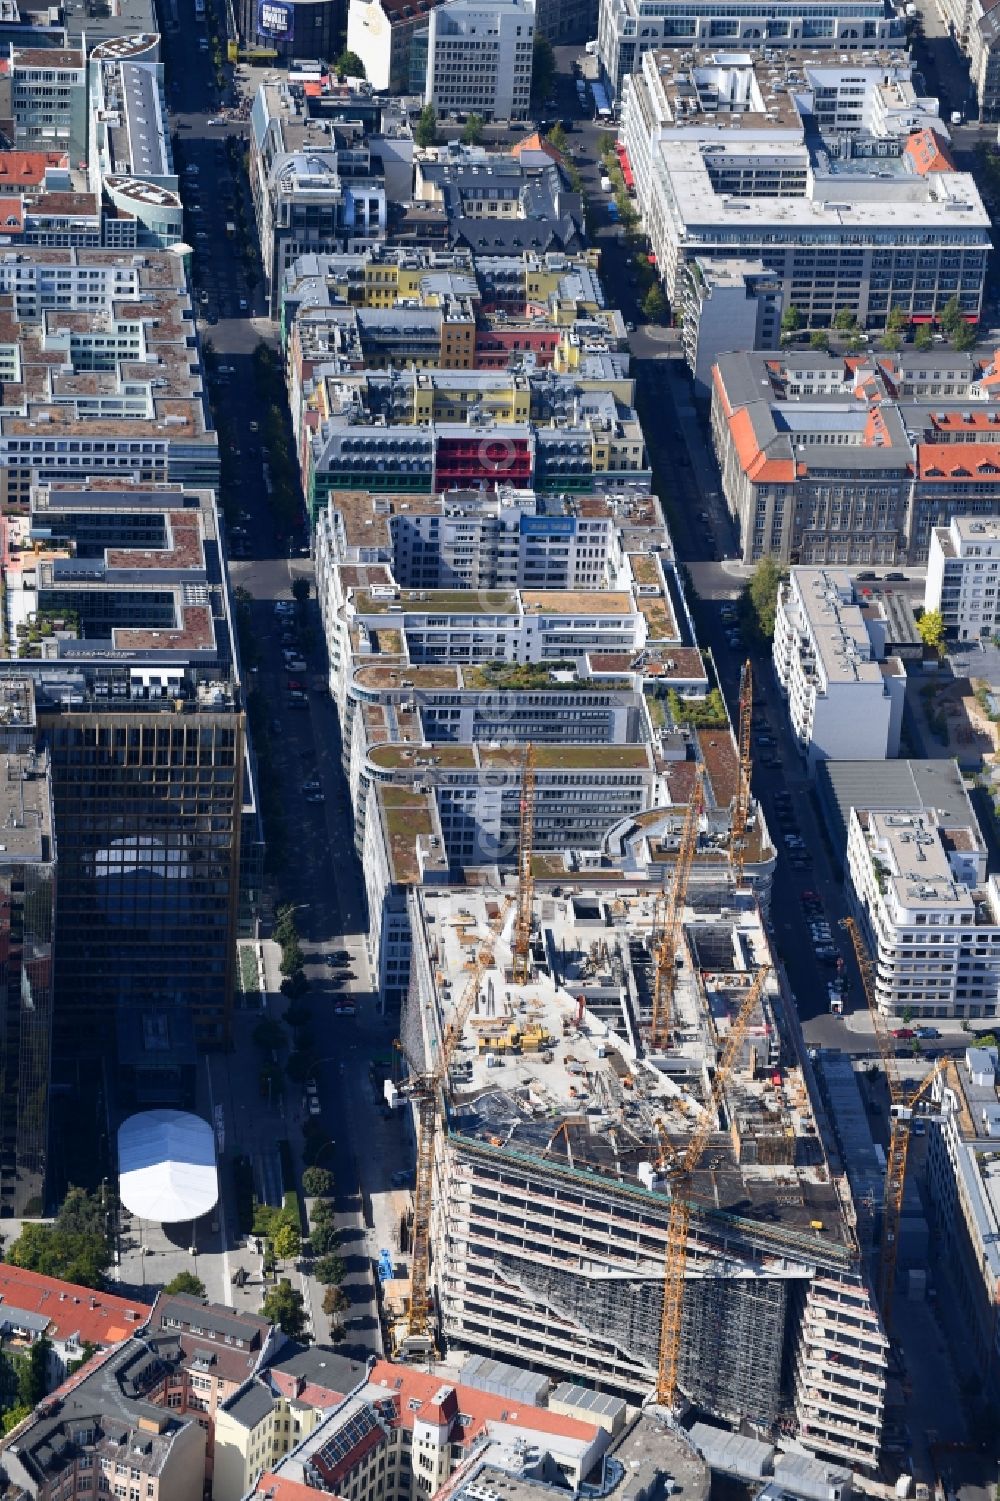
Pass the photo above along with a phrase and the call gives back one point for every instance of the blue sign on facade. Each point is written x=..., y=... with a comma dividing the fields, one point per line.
x=547, y=526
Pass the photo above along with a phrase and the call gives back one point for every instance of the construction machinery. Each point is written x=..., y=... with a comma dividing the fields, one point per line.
x=668, y=927
x=904, y=1099
x=680, y=1170
x=413, y=1338
x=525, y=879
x=741, y=806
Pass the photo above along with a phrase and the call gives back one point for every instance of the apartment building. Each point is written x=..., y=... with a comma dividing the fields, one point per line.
x=818, y=169
x=143, y=1417
x=71, y=1318
x=548, y=1235
x=963, y=1185
x=844, y=696
x=930, y=913
x=972, y=25
x=381, y=32
x=418, y=432
x=855, y=460
x=309, y=194
x=24, y=174
x=48, y=97
x=630, y=29
x=130, y=159
x=963, y=566
x=479, y=58
x=392, y=1430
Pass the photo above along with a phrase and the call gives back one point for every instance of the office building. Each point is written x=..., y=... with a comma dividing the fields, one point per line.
x=972, y=25
x=130, y=159
x=288, y=29
x=963, y=1183
x=119, y=623
x=963, y=567
x=494, y=203
x=565, y=1272
x=823, y=169
x=930, y=912
x=48, y=99
x=844, y=696
x=833, y=460
x=27, y=933
x=308, y=193
x=726, y=303
x=630, y=29
x=479, y=58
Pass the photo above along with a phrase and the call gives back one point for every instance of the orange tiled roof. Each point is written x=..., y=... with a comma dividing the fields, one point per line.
x=98, y=1318
x=27, y=168
x=944, y=461
x=929, y=152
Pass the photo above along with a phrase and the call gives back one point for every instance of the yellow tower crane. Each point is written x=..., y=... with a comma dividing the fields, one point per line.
x=525, y=878
x=681, y=1171
x=741, y=806
x=669, y=928
x=904, y=1099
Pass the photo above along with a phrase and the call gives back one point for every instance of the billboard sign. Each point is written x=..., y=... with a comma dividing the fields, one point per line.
x=275, y=19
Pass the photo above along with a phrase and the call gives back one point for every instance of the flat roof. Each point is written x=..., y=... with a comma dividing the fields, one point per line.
x=166, y=1166
x=844, y=785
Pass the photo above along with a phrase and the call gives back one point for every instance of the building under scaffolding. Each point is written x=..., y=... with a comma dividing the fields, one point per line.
x=550, y=1209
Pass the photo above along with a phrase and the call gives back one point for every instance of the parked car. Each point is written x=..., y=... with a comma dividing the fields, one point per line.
x=341, y=956
x=903, y=1034
x=344, y=1008
x=928, y=1034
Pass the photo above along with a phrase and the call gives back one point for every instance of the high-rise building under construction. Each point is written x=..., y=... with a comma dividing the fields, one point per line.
x=551, y=1204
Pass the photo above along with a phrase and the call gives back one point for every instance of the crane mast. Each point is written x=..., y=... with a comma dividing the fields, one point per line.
x=681, y=1172
x=903, y=1100
x=741, y=806
x=525, y=879
x=670, y=929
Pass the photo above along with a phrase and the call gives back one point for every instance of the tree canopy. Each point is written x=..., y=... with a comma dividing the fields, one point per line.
x=543, y=67
x=285, y=1307
x=931, y=628
x=762, y=594
x=426, y=129
x=74, y=1248
x=472, y=132
x=186, y=1282
x=349, y=65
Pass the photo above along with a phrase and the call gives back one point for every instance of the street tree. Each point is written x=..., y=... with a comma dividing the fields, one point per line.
x=923, y=339
x=300, y=590
x=654, y=304
x=899, y=320
x=335, y=1300
x=791, y=320
x=284, y=1306
x=844, y=319
x=762, y=594
x=323, y=1239
x=287, y=1241
x=329, y=1269
x=964, y=337
x=472, y=133
x=317, y=1182
x=543, y=67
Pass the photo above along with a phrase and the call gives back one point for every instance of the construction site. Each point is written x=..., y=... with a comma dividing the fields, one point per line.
x=624, y=1169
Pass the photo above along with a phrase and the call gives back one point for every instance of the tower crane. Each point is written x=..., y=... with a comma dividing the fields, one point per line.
x=670, y=928
x=904, y=1099
x=525, y=879
x=741, y=806
x=415, y=1339
x=680, y=1172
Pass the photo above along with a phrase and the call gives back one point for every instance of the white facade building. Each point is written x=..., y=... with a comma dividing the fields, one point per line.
x=835, y=176
x=963, y=575
x=931, y=915
x=479, y=58
x=843, y=702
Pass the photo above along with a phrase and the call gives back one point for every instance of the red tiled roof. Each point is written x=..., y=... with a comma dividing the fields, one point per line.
x=97, y=1318
x=945, y=461
x=409, y=1386
x=27, y=168
x=279, y=1488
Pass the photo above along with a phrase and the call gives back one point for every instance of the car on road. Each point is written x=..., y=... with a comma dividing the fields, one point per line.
x=895, y=578
x=315, y=797
x=903, y=1034
x=866, y=576
x=313, y=1105
x=928, y=1034
x=295, y=663
x=342, y=956
x=312, y=786
x=344, y=1008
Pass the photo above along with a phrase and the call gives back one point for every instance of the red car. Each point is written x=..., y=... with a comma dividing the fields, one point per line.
x=903, y=1034
x=294, y=686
